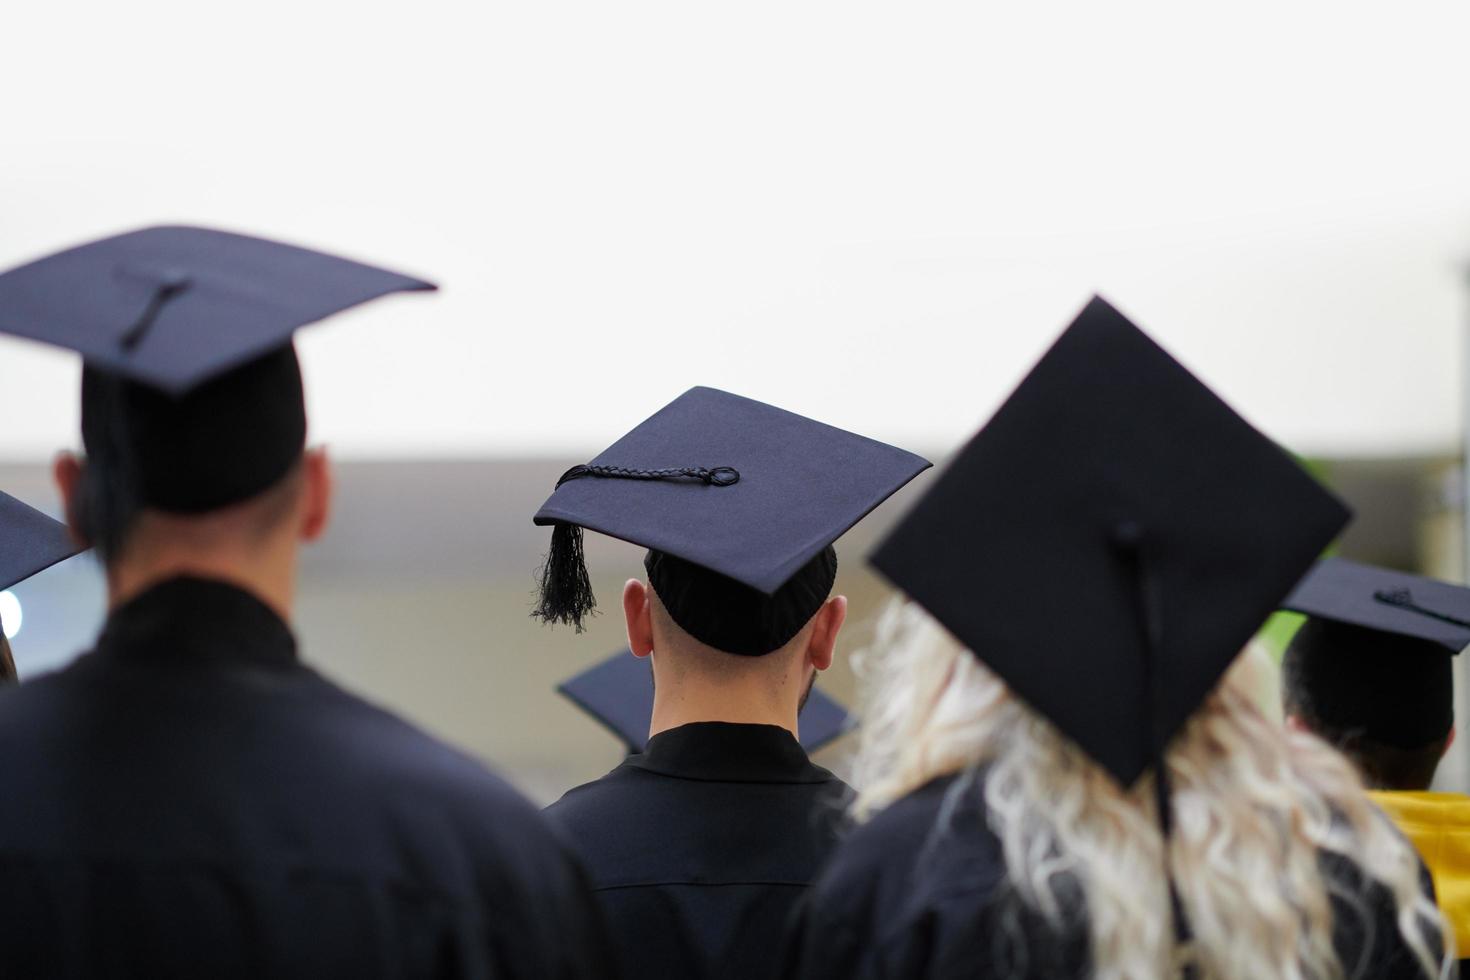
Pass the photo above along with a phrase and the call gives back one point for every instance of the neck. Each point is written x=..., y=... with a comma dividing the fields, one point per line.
x=269, y=574
x=683, y=696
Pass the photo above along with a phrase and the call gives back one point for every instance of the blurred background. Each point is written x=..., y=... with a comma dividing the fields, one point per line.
x=875, y=215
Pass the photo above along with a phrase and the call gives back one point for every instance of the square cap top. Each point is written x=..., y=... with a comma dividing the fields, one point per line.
x=173, y=307
x=1386, y=600
x=784, y=487
x=1109, y=542
x=30, y=542
x=618, y=693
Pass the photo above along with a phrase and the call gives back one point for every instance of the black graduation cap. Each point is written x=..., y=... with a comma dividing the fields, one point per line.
x=30, y=542
x=1374, y=656
x=1110, y=541
x=174, y=306
x=618, y=693
x=186, y=338
x=1385, y=600
x=739, y=503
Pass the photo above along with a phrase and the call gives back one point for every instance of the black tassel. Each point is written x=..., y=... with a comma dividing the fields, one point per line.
x=566, y=592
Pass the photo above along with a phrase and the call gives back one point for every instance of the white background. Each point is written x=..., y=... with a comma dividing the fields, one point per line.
x=875, y=214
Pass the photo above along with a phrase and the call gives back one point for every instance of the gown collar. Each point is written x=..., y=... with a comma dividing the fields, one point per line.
x=200, y=621
x=721, y=751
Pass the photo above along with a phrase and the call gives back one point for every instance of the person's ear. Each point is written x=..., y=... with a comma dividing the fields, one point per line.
x=68, y=470
x=826, y=624
x=1294, y=723
x=1449, y=741
x=638, y=613
x=316, y=503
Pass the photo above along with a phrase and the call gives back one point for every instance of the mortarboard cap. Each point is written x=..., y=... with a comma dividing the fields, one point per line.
x=1109, y=542
x=1374, y=657
x=738, y=503
x=186, y=338
x=173, y=307
x=1385, y=600
x=618, y=693
x=30, y=542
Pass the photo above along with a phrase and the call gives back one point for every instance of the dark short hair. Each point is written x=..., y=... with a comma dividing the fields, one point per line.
x=225, y=441
x=1384, y=700
x=731, y=616
x=107, y=509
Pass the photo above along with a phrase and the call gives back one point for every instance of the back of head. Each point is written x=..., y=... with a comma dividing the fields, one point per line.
x=1274, y=803
x=682, y=659
x=732, y=617
x=732, y=652
x=1385, y=699
x=221, y=444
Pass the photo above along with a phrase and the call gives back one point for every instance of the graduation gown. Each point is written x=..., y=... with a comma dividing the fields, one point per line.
x=1438, y=824
x=898, y=903
x=699, y=846
x=188, y=800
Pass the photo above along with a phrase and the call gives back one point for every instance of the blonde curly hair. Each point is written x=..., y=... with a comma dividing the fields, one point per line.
x=1255, y=808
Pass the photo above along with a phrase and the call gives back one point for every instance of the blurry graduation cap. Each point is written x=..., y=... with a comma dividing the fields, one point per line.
x=1374, y=656
x=737, y=501
x=30, y=542
x=1109, y=542
x=172, y=307
x=1111, y=539
x=186, y=338
x=1386, y=601
x=618, y=693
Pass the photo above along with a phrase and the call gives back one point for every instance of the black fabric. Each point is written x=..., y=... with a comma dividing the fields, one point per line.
x=172, y=307
x=224, y=441
x=900, y=900
x=188, y=800
x=1111, y=466
x=30, y=542
x=730, y=616
x=699, y=847
x=618, y=693
x=1353, y=681
x=1385, y=600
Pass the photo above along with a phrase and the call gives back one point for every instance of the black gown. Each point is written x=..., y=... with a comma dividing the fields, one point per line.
x=897, y=902
x=699, y=847
x=189, y=801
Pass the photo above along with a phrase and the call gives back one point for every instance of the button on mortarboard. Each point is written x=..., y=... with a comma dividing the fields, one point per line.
x=1113, y=503
x=746, y=492
x=1386, y=600
x=618, y=693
